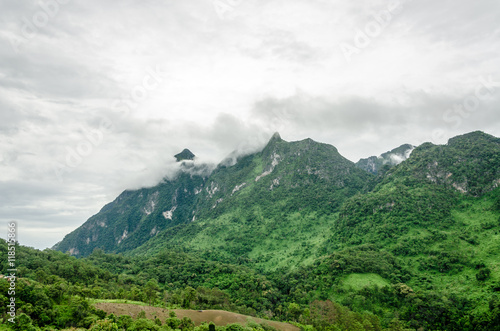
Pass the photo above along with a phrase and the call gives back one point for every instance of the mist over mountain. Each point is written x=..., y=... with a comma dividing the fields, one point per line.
x=304, y=171
x=388, y=159
x=296, y=232
x=277, y=192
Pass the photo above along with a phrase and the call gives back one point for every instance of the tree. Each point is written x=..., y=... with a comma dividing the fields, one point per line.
x=150, y=291
x=173, y=322
x=186, y=323
x=23, y=323
x=294, y=310
x=124, y=321
x=143, y=324
x=104, y=325
x=189, y=296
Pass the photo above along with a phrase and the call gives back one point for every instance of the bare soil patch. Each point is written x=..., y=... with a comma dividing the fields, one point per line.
x=218, y=317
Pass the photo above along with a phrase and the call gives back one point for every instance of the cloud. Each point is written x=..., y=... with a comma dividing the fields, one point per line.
x=361, y=127
x=48, y=181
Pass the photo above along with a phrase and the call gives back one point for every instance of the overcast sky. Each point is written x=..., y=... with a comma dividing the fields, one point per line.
x=97, y=96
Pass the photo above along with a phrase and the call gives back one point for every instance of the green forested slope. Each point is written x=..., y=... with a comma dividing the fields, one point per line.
x=55, y=291
x=240, y=212
x=270, y=209
x=415, y=244
x=135, y=217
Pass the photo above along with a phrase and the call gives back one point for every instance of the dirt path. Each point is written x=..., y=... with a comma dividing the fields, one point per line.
x=219, y=317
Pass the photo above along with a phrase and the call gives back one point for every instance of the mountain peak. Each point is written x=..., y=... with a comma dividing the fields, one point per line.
x=275, y=137
x=273, y=142
x=472, y=137
x=186, y=154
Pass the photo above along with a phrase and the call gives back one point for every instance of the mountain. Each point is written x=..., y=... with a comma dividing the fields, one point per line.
x=468, y=163
x=414, y=247
x=271, y=209
x=292, y=202
x=136, y=216
x=262, y=193
x=389, y=159
x=423, y=192
x=186, y=154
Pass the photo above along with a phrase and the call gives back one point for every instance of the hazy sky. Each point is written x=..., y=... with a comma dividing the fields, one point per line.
x=97, y=96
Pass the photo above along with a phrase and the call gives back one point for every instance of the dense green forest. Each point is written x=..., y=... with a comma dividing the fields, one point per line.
x=56, y=291
x=293, y=233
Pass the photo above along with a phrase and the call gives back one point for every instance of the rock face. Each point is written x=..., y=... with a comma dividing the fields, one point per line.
x=186, y=154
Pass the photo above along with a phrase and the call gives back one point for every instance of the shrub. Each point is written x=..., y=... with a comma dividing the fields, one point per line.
x=143, y=324
x=104, y=325
x=124, y=322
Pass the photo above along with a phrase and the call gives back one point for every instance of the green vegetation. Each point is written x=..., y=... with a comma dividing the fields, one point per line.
x=58, y=291
x=360, y=281
x=293, y=233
